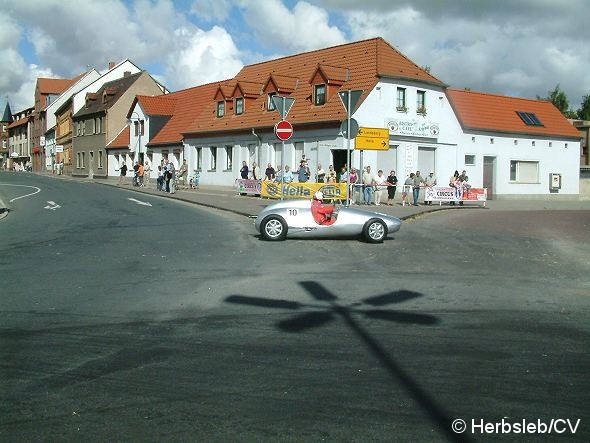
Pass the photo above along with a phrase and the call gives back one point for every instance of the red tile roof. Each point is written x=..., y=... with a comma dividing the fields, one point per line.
x=496, y=113
x=362, y=63
x=53, y=85
x=157, y=105
x=121, y=140
x=19, y=122
x=189, y=103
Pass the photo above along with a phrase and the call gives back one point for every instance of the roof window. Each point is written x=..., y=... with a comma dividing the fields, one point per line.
x=529, y=118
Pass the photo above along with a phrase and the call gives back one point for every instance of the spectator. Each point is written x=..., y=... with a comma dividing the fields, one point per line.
x=303, y=173
x=368, y=185
x=123, y=173
x=135, y=174
x=146, y=174
x=353, y=180
x=429, y=182
x=343, y=175
x=407, y=186
x=380, y=187
x=331, y=174
x=288, y=175
x=183, y=173
x=269, y=174
x=244, y=171
x=320, y=174
x=391, y=187
x=255, y=172
x=279, y=173
x=455, y=183
x=160, y=179
x=140, y=172
x=464, y=186
x=417, y=182
x=171, y=182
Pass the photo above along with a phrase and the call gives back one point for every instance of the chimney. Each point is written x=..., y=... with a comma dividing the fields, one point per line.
x=127, y=74
x=111, y=65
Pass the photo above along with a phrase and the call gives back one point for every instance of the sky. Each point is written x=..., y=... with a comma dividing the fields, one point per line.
x=522, y=48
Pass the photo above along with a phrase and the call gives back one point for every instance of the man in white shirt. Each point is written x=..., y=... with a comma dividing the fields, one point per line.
x=368, y=183
x=380, y=187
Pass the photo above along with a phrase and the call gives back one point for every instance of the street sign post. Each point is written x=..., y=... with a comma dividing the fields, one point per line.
x=372, y=139
x=354, y=128
x=349, y=99
x=283, y=129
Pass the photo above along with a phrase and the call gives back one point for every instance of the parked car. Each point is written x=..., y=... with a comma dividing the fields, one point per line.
x=294, y=219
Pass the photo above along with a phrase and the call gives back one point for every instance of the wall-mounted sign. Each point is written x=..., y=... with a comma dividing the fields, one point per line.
x=42, y=141
x=59, y=148
x=412, y=128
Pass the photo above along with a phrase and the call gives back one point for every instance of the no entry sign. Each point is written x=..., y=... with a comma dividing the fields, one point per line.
x=283, y=130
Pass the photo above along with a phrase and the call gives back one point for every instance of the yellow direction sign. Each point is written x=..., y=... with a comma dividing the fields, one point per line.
x=372, y=139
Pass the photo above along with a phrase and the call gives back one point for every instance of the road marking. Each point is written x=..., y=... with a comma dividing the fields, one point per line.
x=23, y=186
x=52, y=205
x=140, y=202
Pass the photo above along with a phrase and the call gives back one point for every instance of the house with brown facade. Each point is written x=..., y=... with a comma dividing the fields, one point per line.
x=102, y=118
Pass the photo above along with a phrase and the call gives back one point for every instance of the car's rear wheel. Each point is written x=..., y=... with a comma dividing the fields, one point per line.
x=375, y=231
x=273, y=228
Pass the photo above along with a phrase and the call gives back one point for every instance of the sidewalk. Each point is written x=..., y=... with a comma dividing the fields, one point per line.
x=227, y=199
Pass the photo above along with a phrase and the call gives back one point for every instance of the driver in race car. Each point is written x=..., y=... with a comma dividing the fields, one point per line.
x=322, y=214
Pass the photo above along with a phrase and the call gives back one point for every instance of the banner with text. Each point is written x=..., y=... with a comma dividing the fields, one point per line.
x=448, y=194
x=331, y=191
x=248, y=186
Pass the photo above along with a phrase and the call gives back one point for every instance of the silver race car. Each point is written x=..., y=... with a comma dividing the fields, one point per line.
x=294, y=219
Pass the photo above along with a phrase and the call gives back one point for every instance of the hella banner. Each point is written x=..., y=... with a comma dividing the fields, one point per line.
x=248, y=186
x=331, y=191
x=475, y=194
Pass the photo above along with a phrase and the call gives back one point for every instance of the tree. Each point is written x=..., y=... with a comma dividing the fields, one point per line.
x=559, y=99
x=584, y=111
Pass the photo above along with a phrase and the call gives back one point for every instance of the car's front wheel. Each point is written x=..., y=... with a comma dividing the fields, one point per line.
x=375, y=231
x=273, y=228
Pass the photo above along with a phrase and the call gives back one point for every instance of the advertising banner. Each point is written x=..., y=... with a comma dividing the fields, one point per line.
x=475, y=194
x=251, y=187
x=447, y=194
x=331, y=191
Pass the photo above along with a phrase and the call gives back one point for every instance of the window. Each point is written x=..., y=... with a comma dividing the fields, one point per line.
x=529, y=118
x=83, y=124
x=99, y=159
x=97, y=125
x=421, y=102
x=401, y=99
x=469, y=159
x=239, y=106
x=199, y=158
x=82, y=161
x=320, y=95
x=270, y=105
x=220, y=109
x=229, y=150
x=142, y=127
x=78, y=156
x=136, y=128
x=550, y=144
x=515, y=142
x=533, y=143
x=473, y=139
x=491, y=141
x=4, y=144
x=524, y=171
x=213, y=158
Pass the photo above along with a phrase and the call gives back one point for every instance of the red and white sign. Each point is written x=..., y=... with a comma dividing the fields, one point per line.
x=284, y=130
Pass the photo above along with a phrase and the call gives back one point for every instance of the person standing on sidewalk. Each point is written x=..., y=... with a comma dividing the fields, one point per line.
x=391, y=187
x=123, y=173
x=171, y=183
x=140, y=172
x=416, y=183
x=429, y=182
x=380, y=187
x=146, y=174
x=368, y=185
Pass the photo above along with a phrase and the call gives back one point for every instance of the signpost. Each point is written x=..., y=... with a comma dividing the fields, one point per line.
x=376, y=139
x=283, y=129
x=350, y=99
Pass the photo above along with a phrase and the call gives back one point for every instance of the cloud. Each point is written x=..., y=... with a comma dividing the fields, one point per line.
x=211, y=10
x=305, y=27
x=519, y=48
x=202, y=57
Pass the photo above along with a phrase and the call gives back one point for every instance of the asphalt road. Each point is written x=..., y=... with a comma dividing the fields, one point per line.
x=126, y=322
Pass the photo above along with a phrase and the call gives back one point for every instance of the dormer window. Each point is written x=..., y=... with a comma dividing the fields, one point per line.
x=220, y=109
x=320, y=95
x=239, y=106
x=270, y=105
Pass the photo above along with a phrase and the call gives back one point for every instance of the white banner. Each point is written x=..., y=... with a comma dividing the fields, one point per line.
x=412, y=128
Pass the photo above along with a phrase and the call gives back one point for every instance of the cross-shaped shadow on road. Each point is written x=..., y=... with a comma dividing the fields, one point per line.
x=372, y=307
